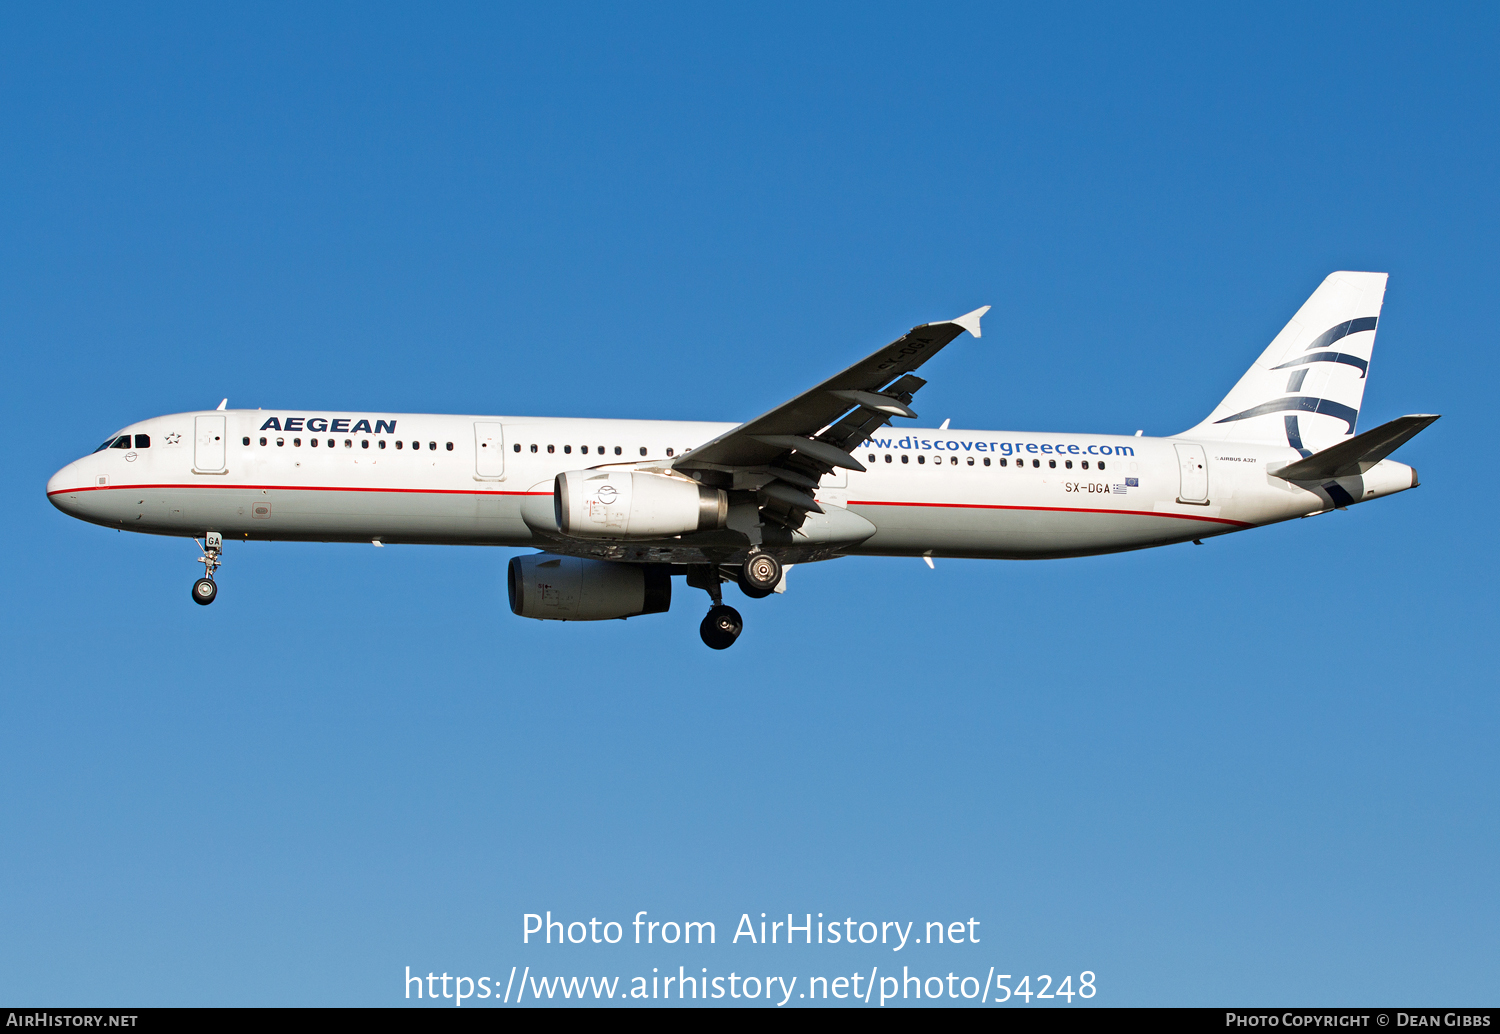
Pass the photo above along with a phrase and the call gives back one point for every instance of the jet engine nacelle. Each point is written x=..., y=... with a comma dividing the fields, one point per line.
x=597, y=504
x=564, y=588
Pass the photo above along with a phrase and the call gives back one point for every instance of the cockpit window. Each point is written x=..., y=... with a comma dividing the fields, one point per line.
x=143, y=441
x=122, y=442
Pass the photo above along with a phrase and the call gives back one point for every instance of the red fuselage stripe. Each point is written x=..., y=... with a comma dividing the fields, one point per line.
x=475, y=491
x=1057, y=509
x=295, y=488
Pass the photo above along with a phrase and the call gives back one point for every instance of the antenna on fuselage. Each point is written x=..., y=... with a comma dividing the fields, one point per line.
x=221, y=405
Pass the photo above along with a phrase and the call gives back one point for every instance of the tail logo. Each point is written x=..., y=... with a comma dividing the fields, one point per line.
x=1298, y=404
x=1317, y=352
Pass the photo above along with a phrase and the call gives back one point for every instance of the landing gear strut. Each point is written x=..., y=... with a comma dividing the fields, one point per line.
x=723, y=625
x=204, y=589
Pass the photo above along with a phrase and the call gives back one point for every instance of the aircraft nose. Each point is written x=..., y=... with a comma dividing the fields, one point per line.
x=70, y=477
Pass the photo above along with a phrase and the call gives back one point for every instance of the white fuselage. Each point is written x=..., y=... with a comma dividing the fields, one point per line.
x=472, y=480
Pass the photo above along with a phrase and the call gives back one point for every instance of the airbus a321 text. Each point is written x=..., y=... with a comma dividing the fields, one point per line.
x=620, y=507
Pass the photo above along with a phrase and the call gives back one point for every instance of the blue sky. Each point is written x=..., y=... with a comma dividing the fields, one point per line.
x=1258, y=772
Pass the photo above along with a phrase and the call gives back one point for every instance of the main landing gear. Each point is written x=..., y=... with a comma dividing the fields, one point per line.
x=757, y=578
x=760, y=575
x=721, y=627
x=204, y=589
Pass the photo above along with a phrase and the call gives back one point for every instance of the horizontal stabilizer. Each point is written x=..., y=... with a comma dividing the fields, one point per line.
x=1357, y=454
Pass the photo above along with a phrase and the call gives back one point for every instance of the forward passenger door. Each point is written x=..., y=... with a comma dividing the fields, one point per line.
x=209, y=445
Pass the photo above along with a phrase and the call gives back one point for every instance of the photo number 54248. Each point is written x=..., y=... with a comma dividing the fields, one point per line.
x=1045, y=988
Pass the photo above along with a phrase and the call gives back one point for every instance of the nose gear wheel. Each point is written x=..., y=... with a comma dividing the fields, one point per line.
x=204, y=589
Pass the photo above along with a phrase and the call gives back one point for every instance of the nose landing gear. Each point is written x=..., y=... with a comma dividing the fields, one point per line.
x=204, y=589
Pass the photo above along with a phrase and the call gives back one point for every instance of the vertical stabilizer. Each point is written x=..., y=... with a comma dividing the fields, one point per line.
x=1306, y=388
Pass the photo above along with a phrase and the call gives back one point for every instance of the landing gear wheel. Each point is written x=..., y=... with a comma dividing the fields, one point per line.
x=721, y=627
x=760, y=575
x=204, y=591
x=754, y=594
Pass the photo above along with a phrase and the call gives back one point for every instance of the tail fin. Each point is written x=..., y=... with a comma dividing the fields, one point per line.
x=1305, y=389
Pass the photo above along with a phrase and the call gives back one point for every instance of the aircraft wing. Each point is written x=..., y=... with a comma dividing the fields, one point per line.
x=791, y=447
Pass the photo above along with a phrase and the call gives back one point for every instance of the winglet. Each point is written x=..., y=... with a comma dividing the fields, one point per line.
x=970, y=320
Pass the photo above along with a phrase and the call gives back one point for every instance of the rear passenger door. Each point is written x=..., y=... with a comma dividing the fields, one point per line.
x=1193, y=462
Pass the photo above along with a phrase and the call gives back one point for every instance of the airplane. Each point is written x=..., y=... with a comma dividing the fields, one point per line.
x=618, y=508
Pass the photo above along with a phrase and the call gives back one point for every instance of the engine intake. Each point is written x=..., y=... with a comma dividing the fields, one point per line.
x=564, y=588
x=632, y=505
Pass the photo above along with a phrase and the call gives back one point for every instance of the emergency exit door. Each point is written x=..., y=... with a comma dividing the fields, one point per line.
x=208, y=445
x=489, y=450
x=1194, y=463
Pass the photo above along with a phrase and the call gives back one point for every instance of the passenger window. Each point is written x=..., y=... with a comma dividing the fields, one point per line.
x=1052, y=463
x=987, y=462
x=1036, y=463
x=872, y=457
x=888, y=457
x=247, y=441
x=417, y=446
x=518, y=446
x=432, y=446
x=551, y=448
x=331, y=443
x=669, y=452
x=364, y=443
x=262, y=441
x=280, y=442
x=971, y=461
x=567, y=449
x=1101, y=464
x=450, y=446
x=600, y=450
x=954, y=461
x=584, y=449
x=905, y=458
x=1068, y=464
x=297, y=442
x=313, y=442
x=921, y=459
x=533, y=448
x=348, y=443
x=400, y=444
x=643, y=450
x=1084, y=464
x=380, y=444
x=618, y=450
x=1003, y=462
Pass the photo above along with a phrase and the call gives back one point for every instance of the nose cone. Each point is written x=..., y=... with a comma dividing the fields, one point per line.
x=63, y=486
